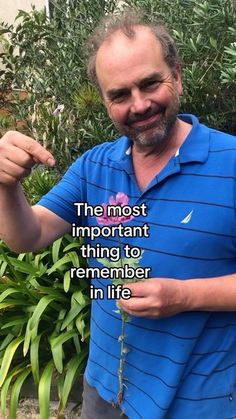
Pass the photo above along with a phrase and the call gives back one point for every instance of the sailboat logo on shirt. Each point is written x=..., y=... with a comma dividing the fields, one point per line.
x=187, y=218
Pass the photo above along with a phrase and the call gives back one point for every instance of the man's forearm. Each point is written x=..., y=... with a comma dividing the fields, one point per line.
x=164, y=297
x=211, y=294
x=19, y=227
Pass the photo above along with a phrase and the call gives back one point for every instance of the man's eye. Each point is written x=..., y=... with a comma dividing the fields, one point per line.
x=120, y=98
x=151, y=84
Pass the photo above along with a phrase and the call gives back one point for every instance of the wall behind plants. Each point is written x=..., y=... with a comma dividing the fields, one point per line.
x=51, y=67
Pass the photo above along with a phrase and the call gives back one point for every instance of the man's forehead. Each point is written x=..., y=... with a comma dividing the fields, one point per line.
x=119, y=46
x=139, y=34
x=123, y=61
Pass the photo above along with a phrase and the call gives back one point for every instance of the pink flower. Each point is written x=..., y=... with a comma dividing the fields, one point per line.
x=121, y=200
x=58, y=110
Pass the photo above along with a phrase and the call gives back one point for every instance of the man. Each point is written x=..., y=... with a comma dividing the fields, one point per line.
x=181, y=336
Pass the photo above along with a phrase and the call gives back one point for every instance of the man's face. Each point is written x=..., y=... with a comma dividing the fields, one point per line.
x=139, y=90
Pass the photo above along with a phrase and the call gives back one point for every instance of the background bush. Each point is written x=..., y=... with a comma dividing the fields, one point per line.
x=48, y=60
x=44, y=316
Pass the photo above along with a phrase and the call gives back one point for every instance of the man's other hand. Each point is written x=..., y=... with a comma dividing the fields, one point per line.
x=156, y=298
x=18, y=154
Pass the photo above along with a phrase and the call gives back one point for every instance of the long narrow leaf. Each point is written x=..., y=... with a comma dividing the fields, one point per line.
x=15, y=392
x=10, y=303
x=34, y=358
x=44, y=390
x=15, y=322
x=64, y=260
x=6, y=341
x=55, y=249
x=73, y=313
x=57, y=354
x=22, y=266
x=8, y=292
x=3, y=268
x=66, y=281
x=27, y=338
x=8, y=355
x=74, y=259
x=4, y=390
x=74, y=367
x=63, y=337
x=41, y=306
x=70, y=246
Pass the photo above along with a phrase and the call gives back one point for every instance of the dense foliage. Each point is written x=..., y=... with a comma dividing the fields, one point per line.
x=47, y=58
x=205, y=33
x=44, y=316
x=44, y=323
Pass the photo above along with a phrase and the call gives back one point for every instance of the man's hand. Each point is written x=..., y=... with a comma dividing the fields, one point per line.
x=18, y=154
x=155, y=298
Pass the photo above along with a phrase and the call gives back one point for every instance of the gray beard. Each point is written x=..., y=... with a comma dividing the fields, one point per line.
x=154, y=135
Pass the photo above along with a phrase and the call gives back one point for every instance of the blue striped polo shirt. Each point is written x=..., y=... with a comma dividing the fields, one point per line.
x=185, y=365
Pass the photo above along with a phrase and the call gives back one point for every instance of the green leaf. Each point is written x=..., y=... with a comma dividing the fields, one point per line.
x=74, y=245
x=64, y=260
x=78, y=302
x=34, y=358
x=3, y=268
x=74, y=366
x=8, y=291
x=55, y=249
x=44, y=390
x=80, y=324
x=62, y=338
x=7, y=359
x=10, y=303
x=6, y=341
x=29, y=335
x=40, y=308
x=4, y=390
x=15, y=392
x=23, y=267
x=74, y=259
x=15, y=322
x=80, y=298
x=231, y=51
x=39, y=257
x=66, y=281
x=57, y=354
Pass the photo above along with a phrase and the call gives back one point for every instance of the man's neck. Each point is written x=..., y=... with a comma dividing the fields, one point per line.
x=148, y=162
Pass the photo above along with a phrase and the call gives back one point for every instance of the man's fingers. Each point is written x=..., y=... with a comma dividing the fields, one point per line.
x=30, y=146
x=138, y=289
x=13, y=172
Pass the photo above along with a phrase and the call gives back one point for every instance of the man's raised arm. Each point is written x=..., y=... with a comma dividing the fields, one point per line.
x=22, y=227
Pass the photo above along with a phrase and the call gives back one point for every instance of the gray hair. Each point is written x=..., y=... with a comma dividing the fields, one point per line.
x=126, y=21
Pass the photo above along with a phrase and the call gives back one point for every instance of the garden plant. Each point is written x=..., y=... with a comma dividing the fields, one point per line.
x=45, y=93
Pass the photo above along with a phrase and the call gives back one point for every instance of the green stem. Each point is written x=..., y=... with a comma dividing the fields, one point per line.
x=122, y=347
x=122, y=359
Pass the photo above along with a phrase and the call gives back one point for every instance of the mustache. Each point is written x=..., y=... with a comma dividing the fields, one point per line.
x=140, y=117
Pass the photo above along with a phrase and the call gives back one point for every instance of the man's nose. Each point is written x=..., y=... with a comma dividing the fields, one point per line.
x=140, y=102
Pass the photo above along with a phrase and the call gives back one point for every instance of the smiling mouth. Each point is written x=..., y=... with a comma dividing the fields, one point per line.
x=147, y=123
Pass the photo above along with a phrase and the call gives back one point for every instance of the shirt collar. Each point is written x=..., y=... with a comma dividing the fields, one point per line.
x=194, y=148
x=197, y=143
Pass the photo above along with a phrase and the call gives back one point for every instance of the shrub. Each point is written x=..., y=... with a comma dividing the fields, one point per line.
x=205, y=34
x=46, y=58
x=44, y=323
